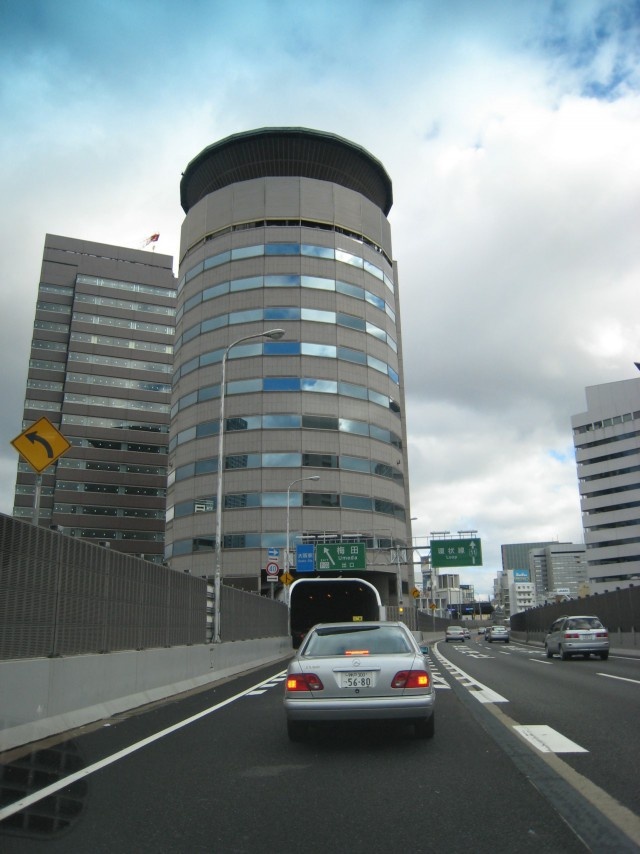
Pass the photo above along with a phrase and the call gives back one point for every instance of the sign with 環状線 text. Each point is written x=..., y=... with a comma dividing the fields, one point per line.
x=452, y=553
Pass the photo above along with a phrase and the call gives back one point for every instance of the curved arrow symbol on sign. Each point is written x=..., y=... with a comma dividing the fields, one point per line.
x=34, y=437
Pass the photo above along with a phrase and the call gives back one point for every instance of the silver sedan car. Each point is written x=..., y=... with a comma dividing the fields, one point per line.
x=359, y=672
x=497, y=633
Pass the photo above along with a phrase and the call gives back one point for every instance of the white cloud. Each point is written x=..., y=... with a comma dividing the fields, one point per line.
x=515, y=216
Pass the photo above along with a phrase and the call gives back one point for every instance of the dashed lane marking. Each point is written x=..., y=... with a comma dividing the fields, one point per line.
x=271, y=682
x=621, y=678
x=481, y=692
x=548, y=740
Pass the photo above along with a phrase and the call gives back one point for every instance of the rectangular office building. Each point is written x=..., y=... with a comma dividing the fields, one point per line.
x=608, y=462
x=100, y=371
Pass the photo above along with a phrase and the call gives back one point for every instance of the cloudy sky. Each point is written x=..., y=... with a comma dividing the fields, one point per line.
x=510, y=131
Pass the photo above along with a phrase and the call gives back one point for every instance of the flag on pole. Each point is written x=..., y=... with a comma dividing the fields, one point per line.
x=153, y=239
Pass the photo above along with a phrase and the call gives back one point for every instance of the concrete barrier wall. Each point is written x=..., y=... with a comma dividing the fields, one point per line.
x=40, y=697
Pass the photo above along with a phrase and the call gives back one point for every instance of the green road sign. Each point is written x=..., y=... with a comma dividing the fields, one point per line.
x=340, y=556
x=452, y=553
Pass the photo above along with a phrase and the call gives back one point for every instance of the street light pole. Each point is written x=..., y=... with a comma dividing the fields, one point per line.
x=299, y=480
x=274, y=334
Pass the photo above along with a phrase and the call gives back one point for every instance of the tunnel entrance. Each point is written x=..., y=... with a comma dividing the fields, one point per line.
x=330, y=600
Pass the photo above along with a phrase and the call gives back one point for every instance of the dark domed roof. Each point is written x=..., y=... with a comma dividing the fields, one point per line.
x=299, y=152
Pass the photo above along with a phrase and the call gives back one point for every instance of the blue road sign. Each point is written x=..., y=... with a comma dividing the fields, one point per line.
x=305, y=558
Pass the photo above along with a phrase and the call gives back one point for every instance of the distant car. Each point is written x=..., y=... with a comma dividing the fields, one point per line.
x=481, y=630
x=467, y=633
x=454, y=633
x=580, y=635
x=359, y=672
x=498, y=633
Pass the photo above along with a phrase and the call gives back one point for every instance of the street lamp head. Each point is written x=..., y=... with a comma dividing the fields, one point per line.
x=314, y=477
x=274, y=334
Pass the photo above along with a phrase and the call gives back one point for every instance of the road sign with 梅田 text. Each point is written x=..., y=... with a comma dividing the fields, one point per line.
x=41, y=444
x=339, y=556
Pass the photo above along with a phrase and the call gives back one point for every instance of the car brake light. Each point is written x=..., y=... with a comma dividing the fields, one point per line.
x=304, y=682
x=571, y=635
x=602, y=634
x=411, y=679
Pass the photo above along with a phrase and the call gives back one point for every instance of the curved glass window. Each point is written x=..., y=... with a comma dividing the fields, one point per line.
x=285, y=422
x=290, y=280
x=281, y=384
x=371, y=329
x=327, y=351
x=217, y=260
x=356, y=502
x=284, y=313
x=193, y=272
x=246, y=252
x=192, y=302
x=282, y=281
x=244, y=386
x=351, y=290
x=207, y=466
x=249, y=316
x=282, y=249
x=282, y=348
x=291, y=249
x=317, y=283
x=289, y=460
x=348, y=258
x=315, y=314
x=214, y=323
x=274, y=348
x=360, y=428
x=242, y=461
x=286, y=460
x=319, y=386
x=249, y=284
x=317, y=251
x=215, y=291
x=281, y=422
x=353, y=322
x=355, y=463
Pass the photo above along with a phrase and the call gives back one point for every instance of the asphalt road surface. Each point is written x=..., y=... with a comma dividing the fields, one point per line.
x=213, y=771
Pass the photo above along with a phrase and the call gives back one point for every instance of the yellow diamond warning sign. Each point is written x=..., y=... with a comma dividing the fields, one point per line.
x=41, y=444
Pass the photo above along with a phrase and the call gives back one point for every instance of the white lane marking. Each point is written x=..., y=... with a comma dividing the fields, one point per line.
x=621, y=678
x=440, y=682
x=33, y=798
x=548, y=740
x=481, y=692
x=540, y=661
x=270, y=683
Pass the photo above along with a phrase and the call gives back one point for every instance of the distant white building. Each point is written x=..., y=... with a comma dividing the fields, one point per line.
x=522, y=591
x=608, y=464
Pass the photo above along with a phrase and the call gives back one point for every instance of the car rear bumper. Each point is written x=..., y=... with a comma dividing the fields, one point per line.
x=595, y=647
x=359, y=709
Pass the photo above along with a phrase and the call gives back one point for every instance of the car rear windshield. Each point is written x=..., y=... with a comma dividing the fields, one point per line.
x=377, y=640
x=584, y=623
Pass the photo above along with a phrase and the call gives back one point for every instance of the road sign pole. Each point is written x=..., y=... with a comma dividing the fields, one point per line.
x=36, y=500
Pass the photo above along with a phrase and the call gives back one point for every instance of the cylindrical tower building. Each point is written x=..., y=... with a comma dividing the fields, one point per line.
x=286, y=229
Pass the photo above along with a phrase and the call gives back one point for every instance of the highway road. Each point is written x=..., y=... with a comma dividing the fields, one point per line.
x=213, y=771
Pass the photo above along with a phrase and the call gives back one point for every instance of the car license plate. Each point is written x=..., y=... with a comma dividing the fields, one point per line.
x=361, y=679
